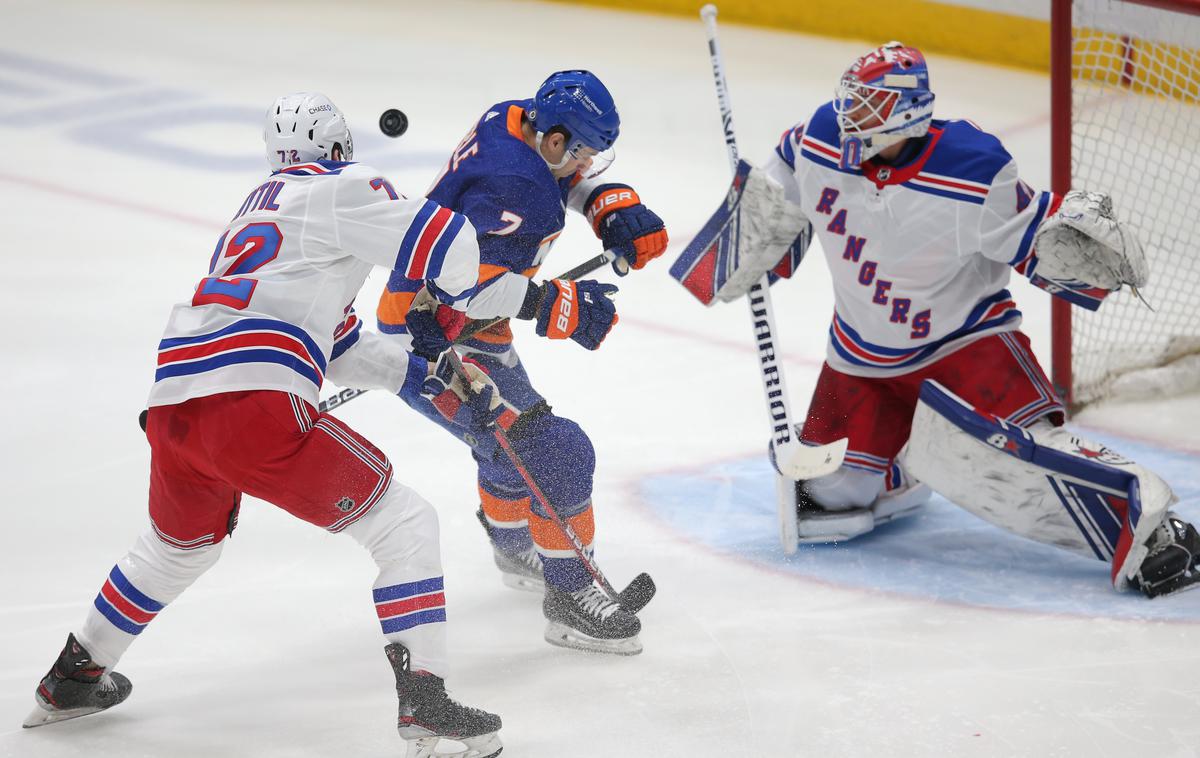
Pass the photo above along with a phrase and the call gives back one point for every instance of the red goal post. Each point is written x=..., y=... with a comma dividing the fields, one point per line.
x=1125, y=120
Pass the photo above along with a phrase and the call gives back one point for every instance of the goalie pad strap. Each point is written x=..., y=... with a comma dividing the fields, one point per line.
x=1048, y=486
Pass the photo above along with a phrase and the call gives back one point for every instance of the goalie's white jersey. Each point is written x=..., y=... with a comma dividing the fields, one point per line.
x=276, y=307
x=919, y=253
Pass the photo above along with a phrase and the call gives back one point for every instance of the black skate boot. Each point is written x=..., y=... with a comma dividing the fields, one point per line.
x=75, y=687
x=1170, y=566
x=427, y=715
x=521, y=571
x=588, y=620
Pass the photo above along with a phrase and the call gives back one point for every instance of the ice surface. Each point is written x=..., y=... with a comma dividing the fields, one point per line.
x=132, y=135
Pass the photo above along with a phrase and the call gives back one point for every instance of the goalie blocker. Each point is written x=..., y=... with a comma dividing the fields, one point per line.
x=1050, y=486
x=756, y=231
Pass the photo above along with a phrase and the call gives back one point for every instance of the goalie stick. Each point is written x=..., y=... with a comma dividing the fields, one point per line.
x=793, y=459
x=639, y=592
x=591, y=264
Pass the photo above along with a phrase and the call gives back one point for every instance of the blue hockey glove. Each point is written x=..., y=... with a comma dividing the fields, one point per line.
x=433, y=326
x=581, y=310
x=477, y=407
x=625, y=226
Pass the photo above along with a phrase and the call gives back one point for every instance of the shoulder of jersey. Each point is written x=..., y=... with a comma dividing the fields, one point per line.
x=501, y=144
x=822, y=140
x=964, y=151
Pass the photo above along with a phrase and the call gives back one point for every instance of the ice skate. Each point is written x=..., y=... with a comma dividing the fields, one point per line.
x=521, y=571
x=428, y=715
x=75, y=687
x=588, y=620
x=1170, y=566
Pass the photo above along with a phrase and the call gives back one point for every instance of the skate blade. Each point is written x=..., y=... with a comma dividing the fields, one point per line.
x=562, y=635
x=523, y=583
x=41, y=716
x=484, y=746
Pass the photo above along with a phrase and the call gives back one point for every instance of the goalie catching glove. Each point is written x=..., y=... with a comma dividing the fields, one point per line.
x=625, y=226
x=1084, y=242
x=581, y=310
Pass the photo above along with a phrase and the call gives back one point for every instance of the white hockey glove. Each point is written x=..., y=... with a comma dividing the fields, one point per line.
x=1084, y=242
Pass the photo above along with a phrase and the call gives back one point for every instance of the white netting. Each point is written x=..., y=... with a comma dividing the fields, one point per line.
x=1136, y=135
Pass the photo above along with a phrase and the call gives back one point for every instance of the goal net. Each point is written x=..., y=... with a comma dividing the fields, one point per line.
x=1126, y=113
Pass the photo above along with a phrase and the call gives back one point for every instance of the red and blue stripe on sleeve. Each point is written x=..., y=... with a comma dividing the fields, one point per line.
x=423, y=249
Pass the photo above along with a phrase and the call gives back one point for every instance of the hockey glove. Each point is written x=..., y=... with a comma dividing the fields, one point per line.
x=625, y=226
x=433, y=326
x=583, y=311
x=477, y=407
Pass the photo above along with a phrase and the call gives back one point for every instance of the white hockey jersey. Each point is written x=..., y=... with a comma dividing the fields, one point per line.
x=920, y=254
x=276, y=308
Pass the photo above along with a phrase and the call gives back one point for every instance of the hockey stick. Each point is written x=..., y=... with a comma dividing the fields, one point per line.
x=795, y=460
x=639, y=592
x=475, y=327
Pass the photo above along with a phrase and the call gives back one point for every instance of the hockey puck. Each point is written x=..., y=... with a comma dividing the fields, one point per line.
x=393, y=122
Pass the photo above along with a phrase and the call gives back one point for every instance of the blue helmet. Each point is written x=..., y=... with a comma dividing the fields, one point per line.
x=580, y=103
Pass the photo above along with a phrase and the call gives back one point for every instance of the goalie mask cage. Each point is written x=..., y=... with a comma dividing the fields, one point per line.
x=1125, y=120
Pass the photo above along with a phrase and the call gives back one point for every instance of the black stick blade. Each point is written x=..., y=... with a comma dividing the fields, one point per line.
x=639, y=592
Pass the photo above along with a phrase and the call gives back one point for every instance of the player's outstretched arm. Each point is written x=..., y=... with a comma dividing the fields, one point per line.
x=1072, y=246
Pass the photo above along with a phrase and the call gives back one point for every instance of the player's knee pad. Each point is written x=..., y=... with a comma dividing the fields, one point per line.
x=402, y=528
x=164, y=571
x=560, y=458
x=1042, y=483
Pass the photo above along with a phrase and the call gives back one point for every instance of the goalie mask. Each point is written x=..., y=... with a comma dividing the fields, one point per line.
x=303, y=127
x=578, y=102
x=882, y=99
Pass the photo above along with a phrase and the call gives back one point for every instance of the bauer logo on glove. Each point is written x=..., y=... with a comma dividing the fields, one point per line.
x=582, y=311
x=625, y=226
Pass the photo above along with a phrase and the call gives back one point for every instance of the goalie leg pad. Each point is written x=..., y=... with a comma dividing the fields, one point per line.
x=1043, y=484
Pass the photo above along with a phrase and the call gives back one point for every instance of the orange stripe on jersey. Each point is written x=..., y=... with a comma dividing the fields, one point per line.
x=489, y=271
x=500, y=334
x=530, y=272
x=393, y=307
x=515, y=112
x=500, y=510
x=548, y=536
